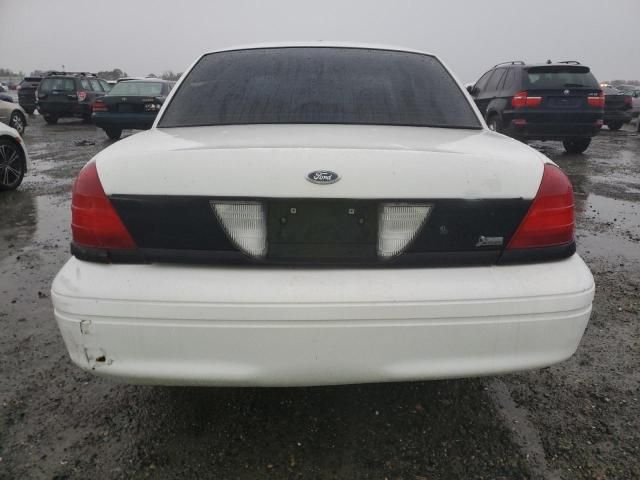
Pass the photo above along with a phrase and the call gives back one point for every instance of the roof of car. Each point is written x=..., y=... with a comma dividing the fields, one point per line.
x=145, y=80
x=69, y=74
x=319, y=44
x=521, y=64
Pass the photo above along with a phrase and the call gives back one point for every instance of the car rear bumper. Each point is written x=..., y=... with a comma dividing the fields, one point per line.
x=551, y=124
x=552, y=131
x=623, y=117
x=235, y=326
x=63, y=109
x=139, y=121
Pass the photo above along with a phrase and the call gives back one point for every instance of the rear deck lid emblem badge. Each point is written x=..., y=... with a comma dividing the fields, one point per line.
x=323, y=177
x=566, y=92
x=489, y=241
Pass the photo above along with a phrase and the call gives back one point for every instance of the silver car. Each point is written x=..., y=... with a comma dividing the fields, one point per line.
x=13, y=115
x=13, y=159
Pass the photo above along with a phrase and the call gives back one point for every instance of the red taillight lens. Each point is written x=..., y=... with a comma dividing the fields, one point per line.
x=549, y=221
x=627, y=100
x=82, y=96
x=596, y=101
x=94, y=221
x=522, y=99
x=99, y=106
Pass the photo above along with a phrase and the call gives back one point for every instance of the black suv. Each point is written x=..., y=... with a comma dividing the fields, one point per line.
x=65, y=94
x=551, y=101
x=27, y=93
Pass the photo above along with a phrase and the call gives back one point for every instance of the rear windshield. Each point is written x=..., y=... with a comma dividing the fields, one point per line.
x=60, y=84
x=319, y=85
x=150, y=89
x=555, y=76
x=32, y=79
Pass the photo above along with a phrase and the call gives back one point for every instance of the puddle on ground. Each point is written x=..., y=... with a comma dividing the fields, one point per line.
x=621, y=213
x=616, y=235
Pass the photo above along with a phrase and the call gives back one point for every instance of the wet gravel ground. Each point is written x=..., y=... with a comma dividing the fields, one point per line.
x=576, y=420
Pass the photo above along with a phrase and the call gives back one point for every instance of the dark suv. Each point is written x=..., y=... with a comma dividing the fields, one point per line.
x=63, y=94
x=27, y=93
x=552, y=101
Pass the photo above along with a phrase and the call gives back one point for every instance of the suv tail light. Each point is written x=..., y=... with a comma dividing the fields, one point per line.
x=627, y=100
x=596, y=101
x=550, y=219
x=18, y=88
x=94, y=221
x=82, y=96
x=245, y=223
x=398, y=225
x=522, y=99
x=99, y=106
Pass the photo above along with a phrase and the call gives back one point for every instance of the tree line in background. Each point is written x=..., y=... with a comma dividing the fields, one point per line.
x=114, y=74
x=623, y=82
x=7, y=72
x=117, y=73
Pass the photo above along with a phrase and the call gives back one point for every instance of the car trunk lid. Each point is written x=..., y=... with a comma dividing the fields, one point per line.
x=472, y=189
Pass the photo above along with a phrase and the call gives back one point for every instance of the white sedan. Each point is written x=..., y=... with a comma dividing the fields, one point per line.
x=312, y=215
x=13, y=158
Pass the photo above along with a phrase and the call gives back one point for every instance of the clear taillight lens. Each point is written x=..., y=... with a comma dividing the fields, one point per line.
x=398, y=225
x=245, y=223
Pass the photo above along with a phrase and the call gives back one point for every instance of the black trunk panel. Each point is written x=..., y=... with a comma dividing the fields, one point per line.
x=322, y=231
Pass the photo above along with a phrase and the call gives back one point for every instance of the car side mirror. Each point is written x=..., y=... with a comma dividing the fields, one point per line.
x=472, y=89
x=159, y=100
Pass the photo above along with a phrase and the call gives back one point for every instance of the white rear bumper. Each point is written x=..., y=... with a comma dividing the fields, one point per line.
x=246, y=326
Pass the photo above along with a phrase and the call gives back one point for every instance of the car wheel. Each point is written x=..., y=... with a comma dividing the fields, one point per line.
x=51, y=119
x=113, y=133
x=578, y=145
x=614, y=126
x=11, y=165
x=18, y=122
x=494, y=123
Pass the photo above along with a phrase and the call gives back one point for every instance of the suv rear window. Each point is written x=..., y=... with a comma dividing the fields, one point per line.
x=60, y=84
x=559, y=76
x=319, y=85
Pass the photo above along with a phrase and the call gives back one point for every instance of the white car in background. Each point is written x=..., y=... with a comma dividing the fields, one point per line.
x=13, y=158
x=314, y=214
x=13, y=115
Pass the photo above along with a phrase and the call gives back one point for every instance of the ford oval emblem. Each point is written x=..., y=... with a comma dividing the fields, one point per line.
x=323, y=177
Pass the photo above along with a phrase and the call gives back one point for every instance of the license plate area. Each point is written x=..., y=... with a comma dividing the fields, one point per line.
x=331, y=230
x=566, y=102
x=125, y=108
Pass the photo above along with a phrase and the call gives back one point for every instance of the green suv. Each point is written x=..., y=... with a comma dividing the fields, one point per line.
x=64, y=94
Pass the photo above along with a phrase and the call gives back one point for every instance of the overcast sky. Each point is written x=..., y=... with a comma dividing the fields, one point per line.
x=142, y=36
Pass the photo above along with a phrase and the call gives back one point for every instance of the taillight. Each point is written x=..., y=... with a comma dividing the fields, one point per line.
x=18, y=87
x=627, y=100
x=99, y=106
x=522, y=99
x=596, y=101
x=398, y=225
x=82, y=96
x=94, y=221
x=549, y=221
x=245, y=224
